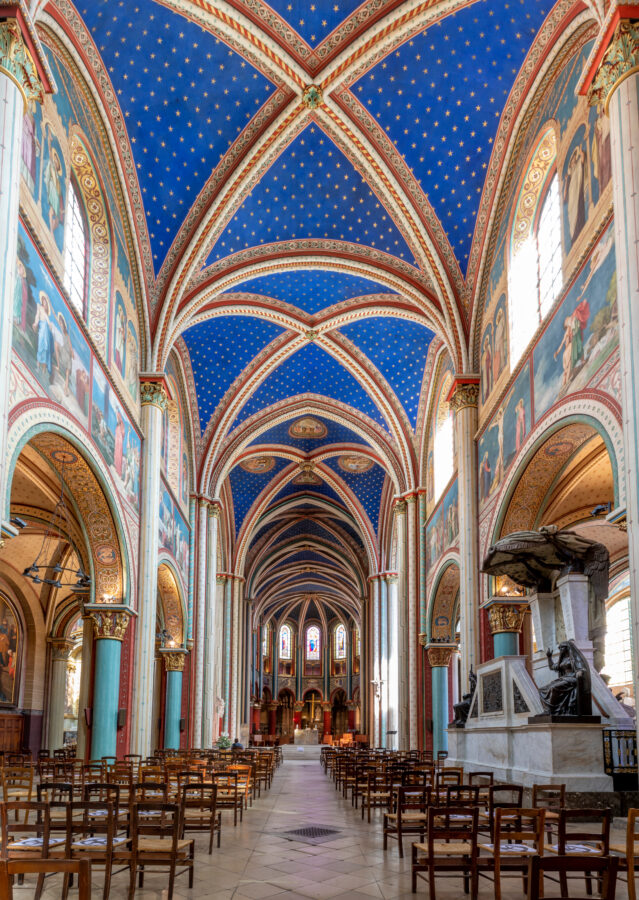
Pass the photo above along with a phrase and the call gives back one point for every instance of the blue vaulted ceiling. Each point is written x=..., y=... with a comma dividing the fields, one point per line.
x=307, y=526
x=185, y=97
x=440, y=96
x=310, y=370
x=311, y=290
x=367, y=487
x=246, y=486
x=323, y=489
x=335, y=434
x=314, y=21
x=220, y=350
x=398, y=347
x=311, y=191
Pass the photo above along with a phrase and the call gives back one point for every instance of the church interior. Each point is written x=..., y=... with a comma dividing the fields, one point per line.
x=319, y=439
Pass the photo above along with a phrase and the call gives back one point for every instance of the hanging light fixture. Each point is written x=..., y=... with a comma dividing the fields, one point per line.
x=63, y=576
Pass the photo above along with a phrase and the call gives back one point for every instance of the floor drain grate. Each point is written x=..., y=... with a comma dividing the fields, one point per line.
x=309, y=834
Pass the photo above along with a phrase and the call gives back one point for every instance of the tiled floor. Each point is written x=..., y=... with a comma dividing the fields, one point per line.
x=254, y=862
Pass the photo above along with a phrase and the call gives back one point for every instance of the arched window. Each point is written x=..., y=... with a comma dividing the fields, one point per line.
x=340, y=642
x=286, y=642
x=313, y=643
x=534, y=275
x=266, y=636
x=76, y=251
x=444, y=442
x=618, y=653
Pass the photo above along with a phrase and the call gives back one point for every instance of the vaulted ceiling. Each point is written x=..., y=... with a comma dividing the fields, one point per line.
x=306, y=252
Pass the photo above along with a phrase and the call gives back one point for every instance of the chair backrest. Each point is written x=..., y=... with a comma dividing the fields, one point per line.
x=549, y=796
x=462, y=795
x=91, y=817
x=101, y=792
x=201, y=796
x=80, y=867
x=603, y=868
x=413, y=799
x=449, y=776
x=10, y=829
x=507, y=796
x=573, y=829
x=520, y=826
x=482, y=779
x=453, y=823
x=632, y=835
x=149, y=791
x=161, y=820
x=54, y=792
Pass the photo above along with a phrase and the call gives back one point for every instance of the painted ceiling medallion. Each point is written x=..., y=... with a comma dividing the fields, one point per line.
x=258, y=464
x=307, y=475
x=307, y=428
x=355, y=464
x=312, y=96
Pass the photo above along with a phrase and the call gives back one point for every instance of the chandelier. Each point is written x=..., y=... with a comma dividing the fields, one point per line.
x=62, y=576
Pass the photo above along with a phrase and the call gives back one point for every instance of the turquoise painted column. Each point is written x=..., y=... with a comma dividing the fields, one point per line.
x=174, y=667
x=439, y=657
x=505, y=620
x=109, y=627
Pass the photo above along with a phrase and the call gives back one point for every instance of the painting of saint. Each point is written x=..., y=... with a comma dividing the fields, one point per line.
x=131, y=361
x=115, y=437
x=118, y=453
x=520, y=424
x=185, y=478
x=10, y=650
x=119, y=335
x=600, y=153
x=54, y=189
x=42, y=328
x=30, y=149
x=355, y=464
x=500, y=339
x=505, y=435
x=574, y=181
x=486, y=367
x=64, y=354
x=485, y=477
x=307, y=428
x=25, y=280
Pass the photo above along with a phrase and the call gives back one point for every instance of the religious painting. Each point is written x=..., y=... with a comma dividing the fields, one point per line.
x=173, y=532
x=575, y=188
x=46, y=336
x=487, y=363
x=131, y=366
x=312, y=643
x=582, y=333
x=443, y=527
x=115, y=437
x=504, y=436
x=355, y=464
x=119, y=334
x=600, y=157
x=10, y=654
x=31, y=147
x=185, y=479
x=258, y=464
x=307, y=476
x=54, y=181
x=500, y=339
x=308, y=428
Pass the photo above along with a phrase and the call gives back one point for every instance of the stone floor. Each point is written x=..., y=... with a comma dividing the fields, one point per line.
x=254, y=861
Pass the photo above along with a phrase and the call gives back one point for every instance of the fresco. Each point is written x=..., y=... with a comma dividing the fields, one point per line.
x=46, y=335
x=54, y=181
x=10, y=651
x=574, y=182
x=505, y=435
x=115, y=437
x=443, y=528
x=583, y=331
x=174, y=532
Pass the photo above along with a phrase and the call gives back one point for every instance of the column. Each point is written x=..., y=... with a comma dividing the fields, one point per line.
x=174, y=667
x=463, y=401
x=421, y=544
x=297, y=713
x=391, y=710
x=412, y=576
x=236, y=659
x=24, y=79
x=272, y=717
x=351, y=707
x=209, y=634
x=256, y=709
x=365, y=676
x=110, y=622
x=399, y=629
x=199, y=614
x=613, y=83
x=326, y=709
x=154, y=403
x=60, y=649
x=505, y=621
x=439, y=657
x=228, y=635
x=85, y=686
x=375, y=668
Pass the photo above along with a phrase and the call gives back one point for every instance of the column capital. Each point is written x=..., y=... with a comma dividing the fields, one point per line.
x=440, y=655
x=505, y=617
x=215, y=509
x=110, y=620
x=464, y=392
x=399, y=507
x=326, y=705
x=618, y=58
x=153, y=391
x=21, y=55
x=298, y=705
x=173, y=659
x=60, y=648
x=221, y=578
x=273, y=705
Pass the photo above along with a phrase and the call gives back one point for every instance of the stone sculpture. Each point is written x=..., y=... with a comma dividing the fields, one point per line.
x=570, y=693
x=462, y=709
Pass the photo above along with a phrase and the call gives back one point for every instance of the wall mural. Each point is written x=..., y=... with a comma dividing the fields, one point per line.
x=505, y=435
x=10, y=650
x=116, y=438
x=443, y=528
x=174, y=532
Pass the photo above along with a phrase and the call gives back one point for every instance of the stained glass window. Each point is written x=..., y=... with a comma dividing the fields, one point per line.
x=340, y=642
x=313, y=642
x=286, y=642
x=75, y=253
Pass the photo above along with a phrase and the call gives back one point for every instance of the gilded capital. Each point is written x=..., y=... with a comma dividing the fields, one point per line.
x=439, y=656
x=173, y=660
x=60, y=649
x=214, y=511
x=506, y=617
x=400, y=507
x=17, y=62
x=464, y=394
x=110, y=622
x=620, y=60
x=153, y=393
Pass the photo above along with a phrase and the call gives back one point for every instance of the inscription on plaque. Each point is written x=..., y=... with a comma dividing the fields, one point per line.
x=492, y=697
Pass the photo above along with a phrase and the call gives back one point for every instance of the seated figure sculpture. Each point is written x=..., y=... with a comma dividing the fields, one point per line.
x=570, y=693
x=462, y=709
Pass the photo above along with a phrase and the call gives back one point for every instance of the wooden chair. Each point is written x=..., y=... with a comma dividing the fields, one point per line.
x=505, y=796
x=605, y=868
x=518, y=836
x=41, y=867
x=451, y=848
x=410, y=817
x=156, y=844
x=628, y=852
x=579, y=841
x=228, y=795
x=552, y=798
x=92, y=833
x=446, y=777
x=56, y=794
x=199, y=811
x=17, y=783
x=28, y=840
x=377, y=794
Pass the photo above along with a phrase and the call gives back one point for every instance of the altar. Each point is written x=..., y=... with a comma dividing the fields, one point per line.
x=305, y=737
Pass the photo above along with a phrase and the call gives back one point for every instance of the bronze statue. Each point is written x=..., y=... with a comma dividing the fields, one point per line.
x=537, y=559
x=462, y=709
x=570, y=693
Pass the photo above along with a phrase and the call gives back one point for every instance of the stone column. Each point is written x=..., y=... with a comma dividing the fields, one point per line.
x=374, y=664
x=110, y=622
x=272, y=716
x=228, y=636
x=154, y=403
x=200, y=622
x=326, y=709
x=174, y=667
x=439, y=656
x=210, y=638
x=399, y=628
x=463, y=401
x=60, y=650
x=385, y=674
x=256, y=709
x=24, y=79
x=613, y=83
x=412, y=576
x=298, y=706
x=236, y=659
x=351, y=706
x=86, y=675
x=395, y=720
x=505, y=620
